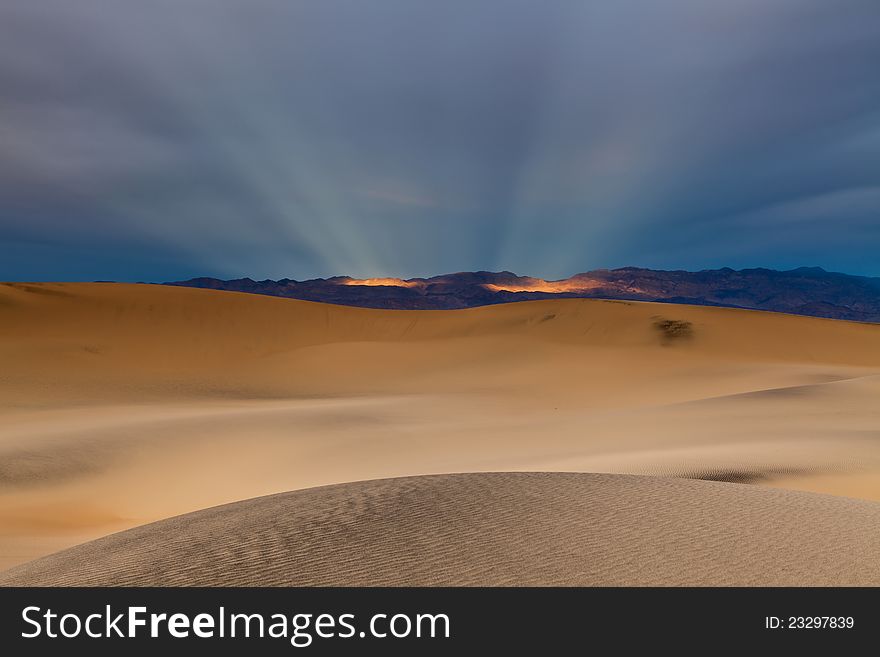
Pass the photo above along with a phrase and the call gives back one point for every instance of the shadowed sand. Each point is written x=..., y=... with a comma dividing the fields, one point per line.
x=125, y=404
x=492, y=529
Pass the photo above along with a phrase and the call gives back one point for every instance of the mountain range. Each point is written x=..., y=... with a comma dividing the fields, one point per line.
x=803, y=291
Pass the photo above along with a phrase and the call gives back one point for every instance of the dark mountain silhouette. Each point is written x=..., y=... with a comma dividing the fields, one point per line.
x=803, y=291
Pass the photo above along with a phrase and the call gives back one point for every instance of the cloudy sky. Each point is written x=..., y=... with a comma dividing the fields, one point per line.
x=269, y=138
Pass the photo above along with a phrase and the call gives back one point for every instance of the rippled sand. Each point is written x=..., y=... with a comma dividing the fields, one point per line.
x=125, y=404
x=492, y=529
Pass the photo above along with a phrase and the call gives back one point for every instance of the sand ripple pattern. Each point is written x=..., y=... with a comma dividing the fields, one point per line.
x=492, y=529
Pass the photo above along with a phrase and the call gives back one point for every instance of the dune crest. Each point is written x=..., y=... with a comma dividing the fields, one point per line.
x=142, y=402
x=508, y=529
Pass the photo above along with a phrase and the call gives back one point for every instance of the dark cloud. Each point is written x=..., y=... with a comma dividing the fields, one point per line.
x=410, y=137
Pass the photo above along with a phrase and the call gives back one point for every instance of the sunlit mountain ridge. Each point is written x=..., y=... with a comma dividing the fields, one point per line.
x=804, y=291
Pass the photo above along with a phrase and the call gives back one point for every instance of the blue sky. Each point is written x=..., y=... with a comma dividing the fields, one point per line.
x=302, y=138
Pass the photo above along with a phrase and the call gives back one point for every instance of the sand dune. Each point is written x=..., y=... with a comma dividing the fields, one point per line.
x=492, y=529
x=125, y=404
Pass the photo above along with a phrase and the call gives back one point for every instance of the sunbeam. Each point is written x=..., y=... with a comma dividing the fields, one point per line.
x=271, y=139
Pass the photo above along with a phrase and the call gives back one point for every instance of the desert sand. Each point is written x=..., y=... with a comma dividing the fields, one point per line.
x=492, y=529
x=121, y=405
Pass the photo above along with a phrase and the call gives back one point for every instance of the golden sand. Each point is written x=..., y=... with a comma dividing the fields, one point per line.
x=125, y=404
